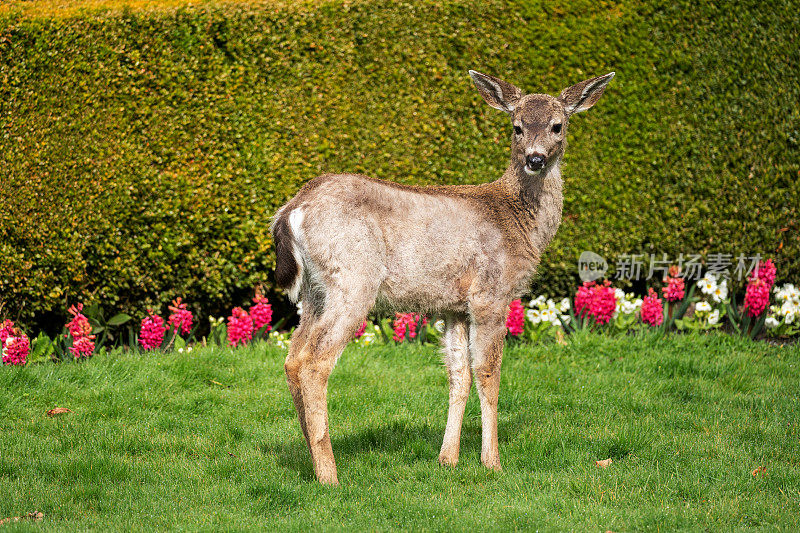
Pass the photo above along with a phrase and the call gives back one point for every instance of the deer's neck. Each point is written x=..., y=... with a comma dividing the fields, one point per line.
x=537, y=202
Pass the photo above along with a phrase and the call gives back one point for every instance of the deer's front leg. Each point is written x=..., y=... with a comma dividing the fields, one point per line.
x=487, y=335
x=456, y=359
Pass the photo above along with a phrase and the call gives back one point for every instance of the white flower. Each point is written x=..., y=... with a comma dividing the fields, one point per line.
x=637, y=303
x=566, y=319
x=629, y=308
x=564, y=305
x=550, y=315
x=788, y=293
x=772, y=322
x=189, y=349
x=439, y=326
x=180, y=350
x=538, y=301
x=786, y=288
x=703, y=307
x=708, y=284
x=721, y=292
x=619, y=294
x=534, y=315
x=368, y=337
x=790, y=316
x=713, y=318
x=788, y=307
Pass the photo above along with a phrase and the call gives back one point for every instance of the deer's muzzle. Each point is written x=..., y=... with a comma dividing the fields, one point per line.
x=535, y=162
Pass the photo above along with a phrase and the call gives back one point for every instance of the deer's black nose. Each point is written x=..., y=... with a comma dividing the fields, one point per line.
x=535, y=161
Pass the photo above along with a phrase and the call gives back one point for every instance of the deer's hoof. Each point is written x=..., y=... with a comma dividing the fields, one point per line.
x=448, y=459
x=329, y=480
x=492, y=463
x=327, y=476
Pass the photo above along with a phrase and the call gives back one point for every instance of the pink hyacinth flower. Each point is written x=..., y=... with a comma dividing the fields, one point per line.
x=181, y=318
x=79, y=325
x=16, y=349
x=405, y=324
x=759, y=283
x=400, y=326
x=261, y=312
x=597, y=301
x=675, y=289
x=515, y=322
x=361, y=330
x=766, y=271
x=81, y=332
x=652, y=311
x=756, y=296
x=151, y=334
x=240, y=327
x=6, y=331
x=82, y=347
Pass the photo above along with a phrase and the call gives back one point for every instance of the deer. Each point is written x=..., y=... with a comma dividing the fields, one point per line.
x=348, y=244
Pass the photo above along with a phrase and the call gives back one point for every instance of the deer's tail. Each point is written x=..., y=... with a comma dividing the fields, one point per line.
x=287, y=234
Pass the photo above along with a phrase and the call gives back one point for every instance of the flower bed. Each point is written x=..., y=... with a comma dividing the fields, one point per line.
x=598, y=307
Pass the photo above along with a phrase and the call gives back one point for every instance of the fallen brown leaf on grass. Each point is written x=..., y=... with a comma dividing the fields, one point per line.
x=58, y=411
x=35, y=517
x=759, y=470
x=560, y=337
x=605, y=463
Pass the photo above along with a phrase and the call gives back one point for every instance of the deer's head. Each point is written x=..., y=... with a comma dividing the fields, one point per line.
x=540, y=121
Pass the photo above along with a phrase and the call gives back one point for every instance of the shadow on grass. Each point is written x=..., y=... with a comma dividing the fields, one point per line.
x=405, y=443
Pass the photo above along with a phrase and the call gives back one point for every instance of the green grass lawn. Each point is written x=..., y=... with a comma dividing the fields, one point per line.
x=209, y=440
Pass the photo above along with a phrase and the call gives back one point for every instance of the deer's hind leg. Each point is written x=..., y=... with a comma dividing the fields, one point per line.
x=298, y=353
x=326, y=340
x=459, y=375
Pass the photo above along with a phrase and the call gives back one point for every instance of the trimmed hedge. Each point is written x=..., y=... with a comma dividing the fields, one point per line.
x=144, y=152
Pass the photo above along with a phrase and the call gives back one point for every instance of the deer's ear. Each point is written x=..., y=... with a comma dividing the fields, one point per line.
x=497, y=93
x=585, y=94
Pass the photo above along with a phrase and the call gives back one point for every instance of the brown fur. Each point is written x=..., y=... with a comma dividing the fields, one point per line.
x=346, y=243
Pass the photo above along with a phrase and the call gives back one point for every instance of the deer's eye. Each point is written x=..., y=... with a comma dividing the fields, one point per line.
x=556, y=128
x=517, y=130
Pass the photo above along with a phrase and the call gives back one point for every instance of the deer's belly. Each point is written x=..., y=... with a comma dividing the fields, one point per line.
x=441, y=279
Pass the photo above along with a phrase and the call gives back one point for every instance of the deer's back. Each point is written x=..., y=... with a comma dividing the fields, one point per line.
x=430, y=247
